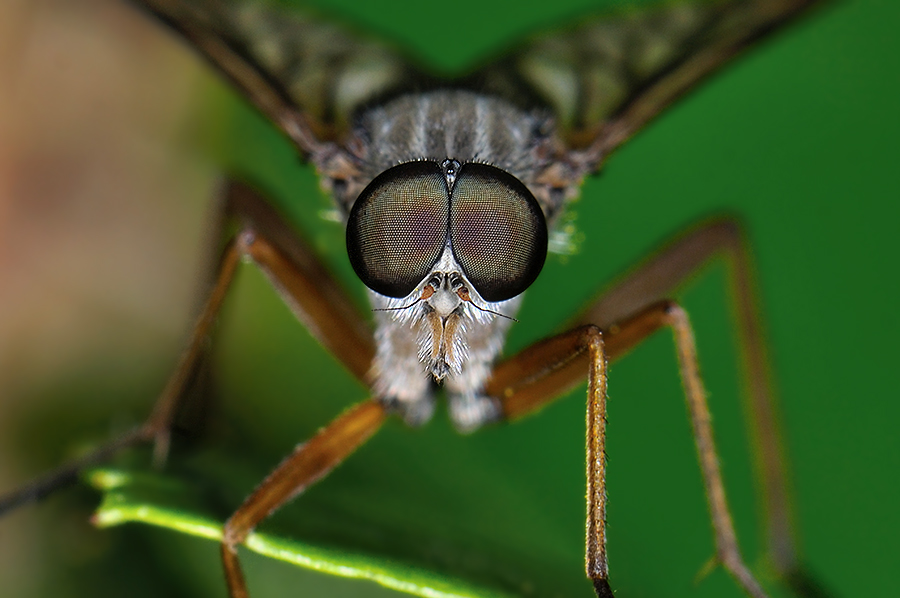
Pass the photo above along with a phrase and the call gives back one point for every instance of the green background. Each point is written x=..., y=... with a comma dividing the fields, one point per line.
x=798, y=138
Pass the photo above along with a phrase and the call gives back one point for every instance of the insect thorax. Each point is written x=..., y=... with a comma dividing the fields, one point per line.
x=431, y=334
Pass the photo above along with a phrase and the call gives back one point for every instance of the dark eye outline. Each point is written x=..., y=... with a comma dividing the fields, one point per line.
x=374, y=267
x=492, y=286
x=500, y=285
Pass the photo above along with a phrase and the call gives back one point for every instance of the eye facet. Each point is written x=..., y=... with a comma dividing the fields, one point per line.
x=498, y=231
x=397, y=228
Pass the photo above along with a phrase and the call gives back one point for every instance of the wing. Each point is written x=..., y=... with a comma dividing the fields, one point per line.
x=307, y=75
x=604, y=78
x=610, y=75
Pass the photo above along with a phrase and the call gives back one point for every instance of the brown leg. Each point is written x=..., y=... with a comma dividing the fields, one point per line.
x=303, y=282
x=658, y=278
x=523, y=383
x=308, y=463
x=529, y=380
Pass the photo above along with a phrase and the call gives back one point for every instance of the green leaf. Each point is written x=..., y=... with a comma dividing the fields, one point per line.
x=164, y=502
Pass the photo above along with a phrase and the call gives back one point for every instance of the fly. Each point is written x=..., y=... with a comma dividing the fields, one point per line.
x=450, y=189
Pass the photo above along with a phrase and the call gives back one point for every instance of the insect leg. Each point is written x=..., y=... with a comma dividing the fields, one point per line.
x=527, y=381
x=656, y=279
x=319, y=302
x=305, y=284
x=313, y=295
x=651, y=282
x=308, y=463
x=535, y=376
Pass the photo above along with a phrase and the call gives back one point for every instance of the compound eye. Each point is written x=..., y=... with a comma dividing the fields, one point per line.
x=397, y=228
x=498, y=231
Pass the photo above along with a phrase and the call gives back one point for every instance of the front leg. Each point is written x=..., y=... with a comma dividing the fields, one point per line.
x=530, y=380
x=302, y=280
x=630, y=311
x=310, y=462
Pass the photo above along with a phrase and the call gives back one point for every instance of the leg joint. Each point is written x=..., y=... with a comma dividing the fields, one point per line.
x=245, y=240
x=232, y=536
x=591, y=336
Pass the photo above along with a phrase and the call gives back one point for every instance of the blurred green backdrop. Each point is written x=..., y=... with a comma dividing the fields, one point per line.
x=798, y=138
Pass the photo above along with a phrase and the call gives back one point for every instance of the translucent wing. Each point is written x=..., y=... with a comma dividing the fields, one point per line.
x=306, y=74
x=609, y=75
x=604, y=78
